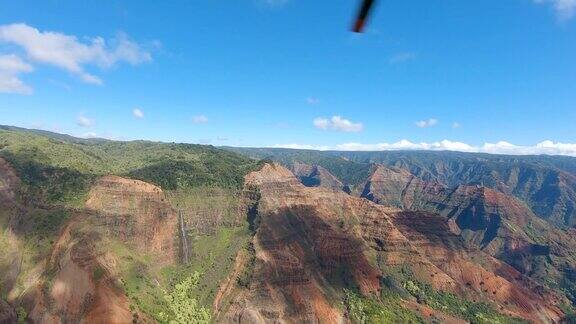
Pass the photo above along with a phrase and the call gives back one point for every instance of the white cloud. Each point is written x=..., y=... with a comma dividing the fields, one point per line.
x=84, y=121
x=456, y=125
x=427, y=123
x=108, y=136
x=407, y=145
x=71, y=54
x=137, y=113
x=502, y=147
x=337, y=123
x=344, y=125
x=402, y=57
x=545, y=147
x=321, y=123
x=89, y=135
x=200, y=119
x=565, y=9
x=10, y=68
x=302, y=147
x=312, y=101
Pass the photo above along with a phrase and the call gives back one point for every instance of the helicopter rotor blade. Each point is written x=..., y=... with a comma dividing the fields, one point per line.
x=362, y=15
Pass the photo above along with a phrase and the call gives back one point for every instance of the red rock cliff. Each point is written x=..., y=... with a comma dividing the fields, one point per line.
x=311, y=242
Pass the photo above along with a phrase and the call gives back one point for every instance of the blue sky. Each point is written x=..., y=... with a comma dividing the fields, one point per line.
x=427, y=74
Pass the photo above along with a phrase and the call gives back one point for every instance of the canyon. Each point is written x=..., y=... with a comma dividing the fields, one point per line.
x=293, y=241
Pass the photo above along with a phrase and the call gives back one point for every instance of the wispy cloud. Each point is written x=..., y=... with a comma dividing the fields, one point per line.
x=11, y=66
x=312, y=101
x=89, y=135
x=199, y=119
x=565, y=9
x=402, y=57
x=427, y=123
x=71, y=54
x=137, y=113
x=302, y=147
x=456, y=125
x=337, y=123
x=502, y=147
x=108, y=136
x=60, y=84
x=84, y=121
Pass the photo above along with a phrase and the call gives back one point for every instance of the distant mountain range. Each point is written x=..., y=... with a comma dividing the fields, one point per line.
x=546, y=183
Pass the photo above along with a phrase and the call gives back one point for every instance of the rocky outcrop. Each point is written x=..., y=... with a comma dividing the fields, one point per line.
x=482, y=215
x=7, y=313
x=317, y=176
x=311, y=242
x=9, y=183
x=499, y=224
x=80, y=280
x=10, y=249
x=301, y=255
x=546, y=184
x=137, y=213
x=81, y=285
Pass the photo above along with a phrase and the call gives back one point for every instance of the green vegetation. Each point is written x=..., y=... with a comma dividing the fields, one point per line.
x=474, y=312
x=21, y=314
x=56, y=169
x=139, y=279
x=204, y=182
x=42, y=227
x=98, y=273
x=401, y=283
x=145, y=283
x=207, y=207
x=213, y=255
x=245, y=277
x=366, y=310
x=183, y=308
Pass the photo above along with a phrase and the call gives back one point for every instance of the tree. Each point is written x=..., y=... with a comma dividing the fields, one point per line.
x=183, y=307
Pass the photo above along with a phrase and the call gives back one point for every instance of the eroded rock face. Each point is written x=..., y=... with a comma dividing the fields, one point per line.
x=482, y=215
x=301, y=256
x=9, y=183
x=312, y=242
x=80, y=281
x=317, y=176
x=81, y=284
x=448, y=263
x=137, y=213
x=10, y=256
x=7, y=313
x=499, y=224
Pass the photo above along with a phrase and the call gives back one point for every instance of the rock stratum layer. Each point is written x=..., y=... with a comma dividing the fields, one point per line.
x=311, y=242
x=137, y=213
x=79, y=281
x=499, y=224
